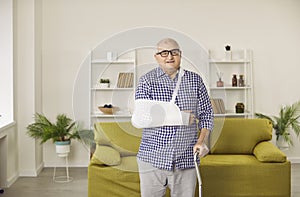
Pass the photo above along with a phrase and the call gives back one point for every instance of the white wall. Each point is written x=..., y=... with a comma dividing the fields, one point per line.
x=71, y=28
x=28, y=95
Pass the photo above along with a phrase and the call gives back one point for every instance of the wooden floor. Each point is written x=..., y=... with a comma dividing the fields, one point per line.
x=43, y=185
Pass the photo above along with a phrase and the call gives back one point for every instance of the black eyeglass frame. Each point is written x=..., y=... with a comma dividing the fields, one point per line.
x=169, y=52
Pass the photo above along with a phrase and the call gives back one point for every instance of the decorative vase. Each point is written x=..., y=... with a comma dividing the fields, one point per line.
x=220, y=83
x=234, y=80
x=241, y=81
x=281, y=143
x=109, y=56
x=62, y=148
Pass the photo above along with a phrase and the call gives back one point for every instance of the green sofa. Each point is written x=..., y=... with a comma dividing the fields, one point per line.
x=113, y=168
x=242, y=161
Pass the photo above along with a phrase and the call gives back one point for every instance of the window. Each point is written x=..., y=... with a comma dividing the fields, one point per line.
x=6, y=62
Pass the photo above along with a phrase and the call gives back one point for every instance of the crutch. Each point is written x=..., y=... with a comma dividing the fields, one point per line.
x=196, y=154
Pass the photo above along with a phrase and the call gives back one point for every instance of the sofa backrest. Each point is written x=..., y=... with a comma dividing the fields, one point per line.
x=239, y=135
x=122, y=136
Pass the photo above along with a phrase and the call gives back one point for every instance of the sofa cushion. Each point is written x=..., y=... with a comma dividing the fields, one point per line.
x=239, y=135
x=107, y=155
x=267, y=152
x=222, y=160
x=122, y=136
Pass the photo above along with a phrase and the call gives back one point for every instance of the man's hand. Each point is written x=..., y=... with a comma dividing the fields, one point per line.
x=200, y=146
x=202, y=149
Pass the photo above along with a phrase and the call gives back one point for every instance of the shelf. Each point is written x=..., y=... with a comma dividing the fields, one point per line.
x=240, y=61
x=112, y=89
x=122, y=74
x=233, y=114
x=102, y=115
x=230, y=88
x=119, y=61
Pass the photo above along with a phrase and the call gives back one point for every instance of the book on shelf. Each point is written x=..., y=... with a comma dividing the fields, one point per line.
x=125, y=80
x=218, y=105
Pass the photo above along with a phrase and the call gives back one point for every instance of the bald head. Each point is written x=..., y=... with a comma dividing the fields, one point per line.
x=167, y=43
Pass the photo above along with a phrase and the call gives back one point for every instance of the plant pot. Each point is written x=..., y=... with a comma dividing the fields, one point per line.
x=104, y=85
x=62, y=148
x=281, y=143
x=228, y=55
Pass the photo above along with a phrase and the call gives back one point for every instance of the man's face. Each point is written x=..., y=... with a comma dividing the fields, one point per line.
x=165, y=59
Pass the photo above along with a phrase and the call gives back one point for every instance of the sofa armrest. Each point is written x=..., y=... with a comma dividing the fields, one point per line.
x=267, y=152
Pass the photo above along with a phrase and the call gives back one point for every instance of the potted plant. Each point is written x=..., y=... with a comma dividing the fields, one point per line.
x=287, y=120
x=61, y=132
x=104, y=83
x=227, y=52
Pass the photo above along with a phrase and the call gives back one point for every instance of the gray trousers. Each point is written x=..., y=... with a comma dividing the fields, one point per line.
x=154, y=181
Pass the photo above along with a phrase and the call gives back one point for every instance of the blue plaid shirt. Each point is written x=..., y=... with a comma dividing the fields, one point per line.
x=171, y=147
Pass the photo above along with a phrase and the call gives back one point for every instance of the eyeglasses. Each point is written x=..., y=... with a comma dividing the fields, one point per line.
x=165, y=53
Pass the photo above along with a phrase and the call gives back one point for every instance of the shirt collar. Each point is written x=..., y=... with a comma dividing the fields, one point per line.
x=160, y=72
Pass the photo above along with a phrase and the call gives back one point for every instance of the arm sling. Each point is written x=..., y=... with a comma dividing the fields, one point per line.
x=151, y=113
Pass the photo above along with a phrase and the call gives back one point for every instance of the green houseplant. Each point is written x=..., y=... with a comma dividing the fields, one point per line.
x=60, y=132
x=287, y=120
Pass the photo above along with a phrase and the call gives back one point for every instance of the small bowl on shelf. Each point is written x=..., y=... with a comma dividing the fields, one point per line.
x=108, y=110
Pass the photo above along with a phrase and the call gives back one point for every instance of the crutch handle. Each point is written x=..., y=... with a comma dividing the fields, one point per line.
x=196, y=154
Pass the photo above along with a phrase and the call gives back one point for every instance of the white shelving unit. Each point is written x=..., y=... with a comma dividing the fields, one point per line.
x=117, y=96
x=239, y=64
